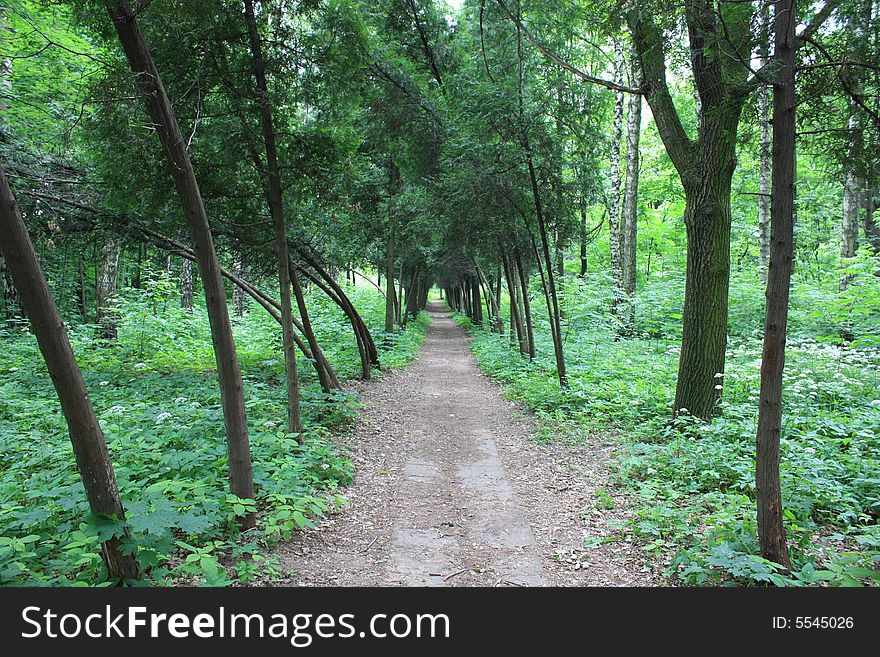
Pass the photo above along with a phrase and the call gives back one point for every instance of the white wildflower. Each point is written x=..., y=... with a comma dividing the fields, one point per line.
x=117, y=410
x=180, y=400
x=104, y=383
x=140, y=366
x=162, y=417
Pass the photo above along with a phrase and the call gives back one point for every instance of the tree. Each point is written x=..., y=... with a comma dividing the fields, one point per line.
x=89, y=447
x=771, y=531
x=276, y=209
x=159, y=108
x=718, y=38
x=105, y=289
x=630, y=210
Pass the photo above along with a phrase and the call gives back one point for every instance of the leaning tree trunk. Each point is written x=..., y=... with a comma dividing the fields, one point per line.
x=89, y=448
x=771, y=530
x=160, y=111
x=105, y=290
x=526, y=305
x=276, y=209
x=326, y=375
x=550, y=291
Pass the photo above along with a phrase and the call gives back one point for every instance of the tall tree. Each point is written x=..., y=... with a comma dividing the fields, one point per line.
x=276, y=209
x=162, y=114
x=771, y=531
x=719, y=40
x=614, y=228
x=764, y=154
x=630, y=211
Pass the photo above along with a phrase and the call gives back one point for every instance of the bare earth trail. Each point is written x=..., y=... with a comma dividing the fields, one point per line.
x=450, y=491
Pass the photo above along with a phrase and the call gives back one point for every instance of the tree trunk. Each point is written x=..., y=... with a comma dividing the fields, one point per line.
x=105, y=290
x=89, y=448
x=771, y=530
x=390, y=293
x=517, y=330
x=186, y=284
x=238, y=297
x=275, y=197
x=872, y=230
x=81, y=304
x=527, y=307
x=705, y=166
x=552, y=298
x=326, y=376
x=366, y=346
x=704, y=333
x=160, y=110
x=765, y=148
x=614, y=228
x=853, y=186
x=11, y=301
x=629, y=214
x=398, y=305
x=583, y=242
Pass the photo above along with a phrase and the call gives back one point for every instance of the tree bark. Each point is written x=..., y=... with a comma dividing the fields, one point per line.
x=765, y=148
x=89, y=447
x=11, y=302
x=160, y=111
x=105, y=290
x=629, y=213
x=81, y=304
x=705, y=166
x=238, y=297
x=186, y=284
x=771, y=530
x=526, y=305
x=853, y=191
x=614, y=227
x=390, y=293
x=275, y=197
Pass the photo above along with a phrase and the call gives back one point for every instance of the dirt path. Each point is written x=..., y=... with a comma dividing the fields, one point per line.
x=450, y=491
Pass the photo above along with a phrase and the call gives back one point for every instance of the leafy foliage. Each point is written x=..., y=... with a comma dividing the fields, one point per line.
x=158, y=404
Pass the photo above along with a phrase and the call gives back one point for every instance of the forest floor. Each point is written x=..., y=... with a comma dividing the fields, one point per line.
x=450, y=490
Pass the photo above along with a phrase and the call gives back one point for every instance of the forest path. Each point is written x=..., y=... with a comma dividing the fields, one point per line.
x=450, y=491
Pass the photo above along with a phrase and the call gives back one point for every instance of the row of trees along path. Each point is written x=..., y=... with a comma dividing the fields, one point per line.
x=479, y=268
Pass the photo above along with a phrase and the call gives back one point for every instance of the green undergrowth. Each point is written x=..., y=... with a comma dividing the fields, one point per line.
x=155, y=391
x=693, y=481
